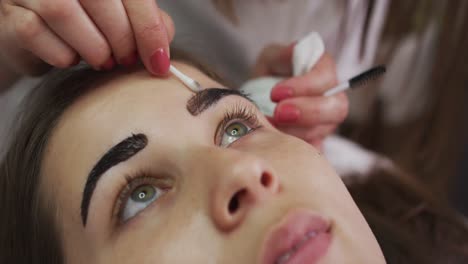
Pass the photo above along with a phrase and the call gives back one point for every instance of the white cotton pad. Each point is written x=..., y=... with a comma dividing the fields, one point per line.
x=306, y=54
x=259, y=90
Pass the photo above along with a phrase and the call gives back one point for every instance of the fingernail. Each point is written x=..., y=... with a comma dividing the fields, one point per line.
x=160, y=62
x=287, y=113
x=281, y=92
x=108, y=65
x=130, y=60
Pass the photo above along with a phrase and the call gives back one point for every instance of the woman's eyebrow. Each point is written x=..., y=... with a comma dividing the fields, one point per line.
x=206, y=98
x=121, y=152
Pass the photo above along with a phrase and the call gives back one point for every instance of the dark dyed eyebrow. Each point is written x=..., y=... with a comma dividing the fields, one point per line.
x=130, y=146
x=206, y=98
x=121, y=152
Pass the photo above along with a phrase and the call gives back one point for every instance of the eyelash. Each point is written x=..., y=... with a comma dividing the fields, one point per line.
x=132, y=182
x=237, y=113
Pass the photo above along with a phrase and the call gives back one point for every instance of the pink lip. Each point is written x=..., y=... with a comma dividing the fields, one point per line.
x=300, y=237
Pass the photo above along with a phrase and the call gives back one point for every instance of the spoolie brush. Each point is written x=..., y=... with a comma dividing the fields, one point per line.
x=358, y=80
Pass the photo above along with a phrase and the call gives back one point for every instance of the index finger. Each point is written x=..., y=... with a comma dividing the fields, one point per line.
x=321, y=78
x=150, y=34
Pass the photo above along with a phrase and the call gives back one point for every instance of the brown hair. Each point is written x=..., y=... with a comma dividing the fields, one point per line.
x=410, y=224
x=28, y=233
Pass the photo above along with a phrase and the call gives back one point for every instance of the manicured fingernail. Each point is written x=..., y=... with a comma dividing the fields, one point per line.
x=160, y=62
x=281, y=92
x=108, y=65
x=130, y=60
x=287, y=113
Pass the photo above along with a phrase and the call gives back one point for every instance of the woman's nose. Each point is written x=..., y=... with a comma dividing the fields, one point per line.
x=240, y=185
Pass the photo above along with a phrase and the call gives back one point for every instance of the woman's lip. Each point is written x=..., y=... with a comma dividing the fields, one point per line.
x=300, y=237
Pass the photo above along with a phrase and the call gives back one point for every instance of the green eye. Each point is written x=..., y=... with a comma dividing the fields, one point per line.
x=237, y=130
x=233, y=132
x=143, y=193
x=140, y=198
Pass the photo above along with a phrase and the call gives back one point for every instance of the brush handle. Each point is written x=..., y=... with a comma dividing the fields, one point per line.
x=341, y=87
x=193, y=85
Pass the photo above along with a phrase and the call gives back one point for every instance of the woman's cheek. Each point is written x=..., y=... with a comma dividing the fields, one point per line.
x=273, y=146
x=255, y=140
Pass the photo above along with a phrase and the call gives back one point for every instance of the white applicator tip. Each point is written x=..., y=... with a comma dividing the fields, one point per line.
x=189, y=82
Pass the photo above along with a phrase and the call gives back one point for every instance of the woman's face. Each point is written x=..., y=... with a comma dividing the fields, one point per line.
x=142, y=170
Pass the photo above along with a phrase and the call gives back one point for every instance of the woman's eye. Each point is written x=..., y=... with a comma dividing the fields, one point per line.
x=233, y=132
x=140, y=198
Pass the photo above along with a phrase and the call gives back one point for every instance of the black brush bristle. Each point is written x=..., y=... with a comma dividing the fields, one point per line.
x=367, y=76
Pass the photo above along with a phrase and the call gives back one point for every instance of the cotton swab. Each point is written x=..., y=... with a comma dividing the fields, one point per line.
x=189, y=82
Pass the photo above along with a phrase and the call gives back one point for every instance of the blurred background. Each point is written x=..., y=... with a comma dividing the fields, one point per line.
x=421, y=120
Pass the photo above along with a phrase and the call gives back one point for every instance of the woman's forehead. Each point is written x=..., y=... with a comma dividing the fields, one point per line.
x=130, y=103
x=127, y=83
x=123, y=94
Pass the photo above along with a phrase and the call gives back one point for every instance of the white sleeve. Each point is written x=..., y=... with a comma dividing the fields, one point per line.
x=348, y=158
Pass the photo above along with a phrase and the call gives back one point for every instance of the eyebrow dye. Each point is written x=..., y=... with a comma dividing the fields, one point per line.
x=121, y=152
x=202, y=100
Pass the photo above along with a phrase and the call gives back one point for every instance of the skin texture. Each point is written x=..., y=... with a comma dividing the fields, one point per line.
x=190, y=222
x=51, y=31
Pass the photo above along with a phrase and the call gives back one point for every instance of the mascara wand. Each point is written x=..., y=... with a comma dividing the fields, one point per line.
x=358, y=80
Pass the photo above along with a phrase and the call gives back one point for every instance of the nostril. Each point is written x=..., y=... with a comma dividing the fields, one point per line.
x=234, y=203
x=266, y=180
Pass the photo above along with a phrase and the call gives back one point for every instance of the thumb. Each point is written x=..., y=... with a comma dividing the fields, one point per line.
x=274, y=60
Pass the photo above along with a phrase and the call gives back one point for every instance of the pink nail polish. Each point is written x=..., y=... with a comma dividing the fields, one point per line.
x=160, y=62
x=287, y=113
x=108, y=65
x=130, y=60
x=280, y=93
